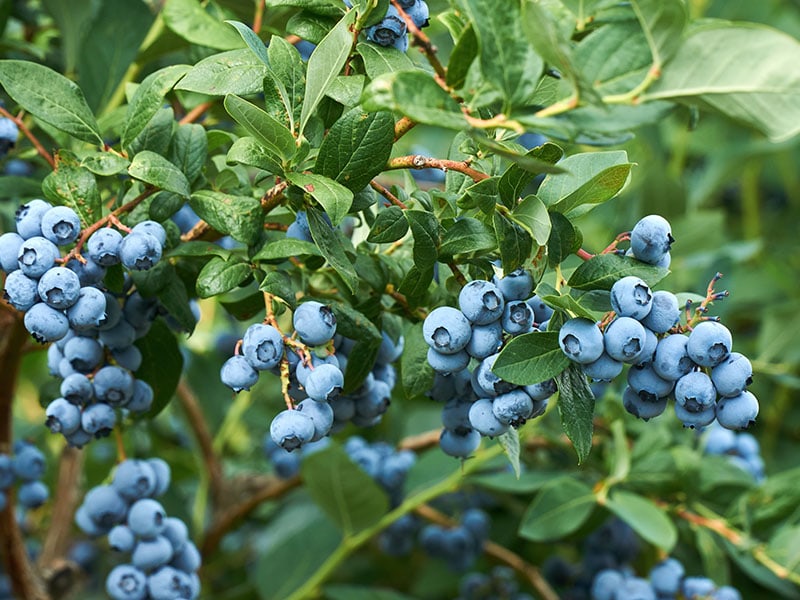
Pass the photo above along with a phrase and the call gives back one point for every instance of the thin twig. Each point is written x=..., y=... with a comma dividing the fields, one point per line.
x=273, y=197
x=462, y=281
x=424, y=43
x=28, y=134
x=402, y=127
x=387, y=194
x=258, y=17
x=195, y=113
x=417, y=161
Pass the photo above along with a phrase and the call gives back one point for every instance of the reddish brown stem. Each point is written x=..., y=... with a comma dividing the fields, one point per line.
x=424, y=43
x=417, y=161
x=402, y=127
x=387, y=194
x=33, y=139
x=258, y=17
x=273, y=197
x=196, y=113
x=583, y=254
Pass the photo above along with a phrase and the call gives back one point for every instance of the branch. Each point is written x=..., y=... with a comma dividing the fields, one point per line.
x=387, y=194
x=402, y=127
x=56, y=543
x=273, y=196
x=424, y=43
x=501, y=553
x=195, y=113
x=28, y=134
x=417, y=161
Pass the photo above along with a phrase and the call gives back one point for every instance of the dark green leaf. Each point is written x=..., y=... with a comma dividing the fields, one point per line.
x=461, y=58
x=603, y=270
x=189, y=149
x=189, y=20
x=527, y=483
x=279, y=284
x=219, y=276
x=255, y=43
x=76, y=187
x=175, y=299
x=531, y=358
x=343, y=490
x=273, y=136
x=239, y=216
x=515, y=178
x=515, y=243
x=482, y=195
x=416, y=282
x=148, y=99
x=247, y=151
x=354, y=324
x=646, y=519
x=356, y=148
x=532, y=215
x=332, y=248
x=360, y=361
x=576, y=407
x=288, y=78
x=357, y=592
x=285, y=248
x=467, y=235
x=335, y=198
x=416, y=373
x=51, y=97
x=425, y=229
x=156, y=135
x=162, y=364
x=379, y=60
x=390, y=225
x=156, y=170
x=560, y=508
x=237, y=71
x=564, y=239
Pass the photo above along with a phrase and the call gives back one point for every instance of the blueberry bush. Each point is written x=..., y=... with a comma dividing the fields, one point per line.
x=398, y=299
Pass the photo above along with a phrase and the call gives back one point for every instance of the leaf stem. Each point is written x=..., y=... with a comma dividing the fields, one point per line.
x=32, y=138
x=387, y=194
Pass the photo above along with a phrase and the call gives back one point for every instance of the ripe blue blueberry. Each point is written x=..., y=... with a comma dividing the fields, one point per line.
x=314, y=323
x=671, y=361
x=187, y=559
x=121, y=538
x=419, y=13
x=262, y=346
x=142, y=398
x=98, y=420
x=666, y=577
x=28, y=218
x=119, y=336
x=541, y=312
x=61, y=225
x=695, y=392
x=485, y=382
x=129, y=358
x=28, y=463
x=516, y=285
x=59, y=287
x=161, y=470
x=446, y=330
x=481, y=302
x=485, y=340
x=45, y=324
x=709, y=343
x=455, y=414
x=139, y=251
x=134, y=479
x=604, y=368
x=517, y=317
x=738, y=412
x=62, y=416
x=664, y=313
x=390, y=31
x=448, y=363
x=697, y=587
x=105, y=507
x=153, y=228
x=152, y=553
x=732, y=375
x=631, y=297
x=238, y=374
x=581, y=340
x=126, y=582
x=113, y=385
x=459, y=444
x=89, y=273
x=176, y=532
x=695, y=420
x=320, y=413
x=168, y=583
x=89, y=309
x=83, y=353
x=641, y=407
x=513, y=408
x=542, y=390
x=103, y=246
x=36, y=255
x=606, y=584
x=624, y=339
x=651, y=239
x=646, y=382
x=290, y=429
x=146, y=518
x=9, y=249
x=21, y=291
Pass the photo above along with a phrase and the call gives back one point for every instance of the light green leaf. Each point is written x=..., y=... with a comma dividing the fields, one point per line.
x=532, y=214
x=241, y=217
x=390, y=225
x=105, y=163
x=379, y=60
x=233, y=72
x=148, y=99
x=189, y=20
x=255, y=43
x=510, y=443
x=646, y=519
x=531, y=358
x=334, y=197
x=663, y=22
x=560, y=508
x=467, y=235
x=74, y=186
x=156, y=170
x=272, y=135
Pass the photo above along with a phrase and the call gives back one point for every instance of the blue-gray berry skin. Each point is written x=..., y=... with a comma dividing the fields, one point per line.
x=649, y=349
x=114, y=385
x=720, y=441
x=168, y=583
x=162, y=473
x=513, y=408
x=134, y=479
x=455, y=414
x=98, y=420
x=695, y=420
x=28, y=218
x=89, y=309
x=542, y=390
x=113, y=313
x=631, y=297
x=105, y=507
x=103, y=246
x=390, y=31
x=122, y=335
x=419, y=13
x=448, y=363
x=28, y=462
x=290, y=429
x=6, y=471
x=142, y=398
x=459, y=444
x=238, y=374
x=485, y=340
x=517, y=317
x=374, y=401
x=651, y=239
x=32, y=494
x=624, y=339
x=152, y=553
x=61, y=225
x=320, y=413
x=481, y=302
x=640, y=407
x=664, y=313
x=389, y=350
x=541, y=312
x=516, y=285
x=302, y=370
x=89, y=273
x=314, y=323
x=709, y=343
x=671, y=360
x=446, y=330
x=83, y=353
x=581, y=340
x=485, y=382
x=21, y=291
x=483, y=420
x=62, y=416
x=647, y=383
x=666, y=577
x=36, y=255
x=77, y=389
x=126, y=582
x=121, y=538
x=146, y=518
x=9, y=250
x=45, y=324
x=695, y=391
x=187, y=559
x=606, y=584
x=732, y=375
x=129, y=358
x=697, y=587
x=738, y=412
x=604, y=368
x=262, y=346
x=153, y=228
x=139, y=251
x=176, y=532
x=59, y=287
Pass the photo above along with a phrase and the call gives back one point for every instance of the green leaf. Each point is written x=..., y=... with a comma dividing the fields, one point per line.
x=175, y=299
x=74, y=21
x=510, y=443
x=576, y=407
x=162, y=364
x=156, y=135
x=332, y=248
x=531, y=358
x=416, y=373
x=507, y=60
x=353, y=324
x=239, y=216
x=285, y=248
x=219, y=276
x=513, y=181
x=334, y=197
x=564, y=239
x=646, y=519
x=325, y=64
x=148, y=99
x=390, y=225
x=515, y=242
x=273, y=136
x=189, y=150
x=279, y=284
x=255, y=43
x=604, y=270
x=50, y=97
x=189, y=20
x=357, y=592
x=560, y=508
x=482, y=194
x=467, y=235
x=663, y=22
x=343, y=490
x=537, y=160
x=461, y=58
x=356, y=148
x=74, y=186
x=105, y=163
x=532, y=215
x=527, y=483
x=416, y=95
x=416, y=282
x=425, y=229
x=156, y=170
x=568, y=303
x=247, y=151
x=747, y=72
x=379, y=60
x=237, y=71
x=193, y=248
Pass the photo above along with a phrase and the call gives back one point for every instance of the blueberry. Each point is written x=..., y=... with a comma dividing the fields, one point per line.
x=59, y=287
x=262, y=346
x=139, y=251
x=666, y=577
x=389, y=350
x=448, y=363
x=187, y=559
x=324, y=383
x=129, y=358
x=78, y=439
x=513, y=408
x=98, y=420
x=649, y=349
x=152, y=553
x=709, y=343
x=459, y=444
x=103, y=246
x=481, y=302
x=581, y=340
x=120, y=336
x=161, y=470
x=419, y=13
x=485, y=340
x=606, y=584
x=302, y=370
x=139, y=311
x=104, y=507
x=113, y=313
x=314, y=323
x=238, y=374
x=746, y=444
x=516, y=285
x=695, y=392
x=21, y=291
x=624, y=339
x=89, y=273
x=695, y=420
x=89, y=309
x=635, y=588
x=720, y=441
x=477, y=522
x=126, y=582
x=32, y=494
x=390, y=30
x=726, y=592
x=121, y=538
x=446, y=330
x=647, y=384
x=485, y=382
x=641, y=407
x=321, y=415
x=671, y=360
x=651, y=239
x=168, y=583
x=374, y=401
x=61, y=225
x=28, y=218
x=153, y=228
x=455, y=414
x=146, y=518
x=697, y=587
x=732, y=375
x=290, y=429
x=664, y=313
x=631, y=297
x=517, y=317
x=297, y=232
x=83, y=353
x=36, y=256
x=45, y=324
x=113, y=385
x=542, y=390
x=142, y=398
x=738, y=412
x=483, y=420
x=176, y=532
x=541, y=312
x=604, y=368
x=6, y=471
x=62, y=416
x=134, y=479
x=9, y=250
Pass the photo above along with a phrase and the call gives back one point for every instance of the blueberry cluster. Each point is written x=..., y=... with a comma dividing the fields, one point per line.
x=460, y=546
x=392, y=29
x=707, y=380
x=9, y=132
x=742, y=449
x=499, y=584
x=287, y=464
x=478, y=402
x=383, y=463
x=164, y=561
x=27, y=469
